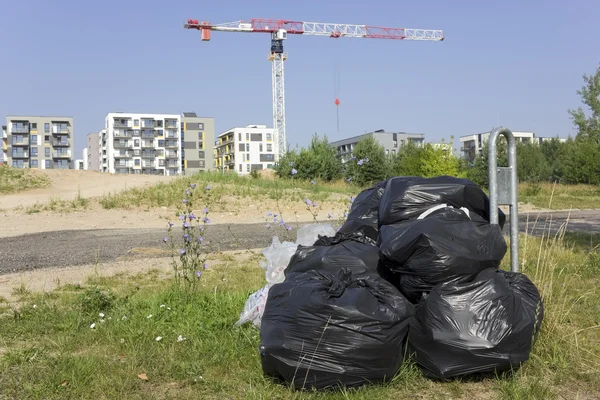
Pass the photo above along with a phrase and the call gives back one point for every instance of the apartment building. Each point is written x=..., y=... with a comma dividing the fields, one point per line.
x=91, y=155
x=136, y=143
x=197, y=138
x=243, y=150
x=38, y=142
x=3, y=156
x=391, y=142
x=472, y=145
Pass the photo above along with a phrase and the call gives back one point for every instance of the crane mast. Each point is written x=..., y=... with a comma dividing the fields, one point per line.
x=279, y=29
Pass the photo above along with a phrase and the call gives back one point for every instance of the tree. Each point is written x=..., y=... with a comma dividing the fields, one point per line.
x=318, y=161
x=368, y=164
x=426, y=161
x=589, y=127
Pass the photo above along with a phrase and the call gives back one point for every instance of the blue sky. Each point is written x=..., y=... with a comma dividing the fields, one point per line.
x=511, y=63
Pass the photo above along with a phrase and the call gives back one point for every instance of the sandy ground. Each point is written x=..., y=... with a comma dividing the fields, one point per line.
x=90, y=184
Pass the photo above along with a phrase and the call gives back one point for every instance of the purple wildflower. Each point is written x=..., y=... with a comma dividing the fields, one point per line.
x=186, y=237
x=207, y=187
x=281, y=223
x=193, y=186
x=198, y=274
x=294, y=171
x=312, y=183
x=184, y=201
x=314, y=204
x=166, y=239
x=205, y=210
x=186, y=225
x=349, y=179
x=360, y=162
x=206, y=220
x=182, y=251
x=275, y=215
x=191, y=216
x=269, y=214
x=308, y=202
x=289, y=228
x=182, y=217
x=187, y=192
x=329, y=216
x=268, y=226
x=170, y=224
x=205, y=266
x=201, y=228
x=200, y=239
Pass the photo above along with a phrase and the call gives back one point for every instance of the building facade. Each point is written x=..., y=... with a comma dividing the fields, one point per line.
x=391, y=142
x=243, y=150
x=141, y=144
x=472, y=145
x=38, y=142
x=91, y=155
x=197, y=139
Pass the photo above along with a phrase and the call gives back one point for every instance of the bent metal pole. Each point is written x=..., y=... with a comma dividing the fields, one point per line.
x=503, y=185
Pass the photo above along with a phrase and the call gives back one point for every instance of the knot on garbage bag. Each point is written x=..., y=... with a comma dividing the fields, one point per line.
x=340, y=282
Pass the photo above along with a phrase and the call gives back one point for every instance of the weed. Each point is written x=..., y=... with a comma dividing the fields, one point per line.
x=94, y=300
x=13, y=180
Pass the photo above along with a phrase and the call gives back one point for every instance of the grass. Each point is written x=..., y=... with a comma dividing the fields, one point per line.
x=13, y=180
x=56, y=204
x=560, y=197
x=226, y=188
x=49, y=351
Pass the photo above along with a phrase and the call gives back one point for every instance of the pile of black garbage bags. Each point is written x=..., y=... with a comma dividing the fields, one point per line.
x=413, y=273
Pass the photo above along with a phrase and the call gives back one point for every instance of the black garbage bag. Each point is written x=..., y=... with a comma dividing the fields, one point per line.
x=336, y=253
x=445, y=246
x=364, y=212
x=488, y=325
x=406, y=197
x=322, y=330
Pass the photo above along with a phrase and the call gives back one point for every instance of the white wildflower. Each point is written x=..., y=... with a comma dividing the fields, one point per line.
x=101, y=315
x=92, y=326
x=149, y=316
x=124, y=317
x=34, y=306
x=122, y=340
x=162, y=306
x=180, y=338
x=158, y=338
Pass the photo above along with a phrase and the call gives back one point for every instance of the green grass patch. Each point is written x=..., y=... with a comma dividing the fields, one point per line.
x=56, y=204
x=13, y=180
x=225, y=187
x=560, y=197
x=49, y=350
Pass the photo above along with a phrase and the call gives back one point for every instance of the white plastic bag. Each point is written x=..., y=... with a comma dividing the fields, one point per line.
x=277, y=258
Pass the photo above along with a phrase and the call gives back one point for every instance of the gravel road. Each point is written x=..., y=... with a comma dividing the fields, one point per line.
x=79, y=247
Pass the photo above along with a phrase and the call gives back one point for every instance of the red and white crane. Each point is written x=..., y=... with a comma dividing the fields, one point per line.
x=279, y=29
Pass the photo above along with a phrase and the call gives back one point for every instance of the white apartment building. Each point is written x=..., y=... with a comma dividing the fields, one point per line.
x=140, y=144
x=243, y=150
x=472, y=145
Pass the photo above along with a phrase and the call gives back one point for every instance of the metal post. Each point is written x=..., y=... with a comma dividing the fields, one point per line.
x=503, y=188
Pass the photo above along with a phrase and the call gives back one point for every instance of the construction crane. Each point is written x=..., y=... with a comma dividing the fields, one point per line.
x=279, y=29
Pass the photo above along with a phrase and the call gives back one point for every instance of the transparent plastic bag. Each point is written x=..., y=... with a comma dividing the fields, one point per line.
x=277, y=258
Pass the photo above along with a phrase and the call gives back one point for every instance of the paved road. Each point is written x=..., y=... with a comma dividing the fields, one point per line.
x=78, y=247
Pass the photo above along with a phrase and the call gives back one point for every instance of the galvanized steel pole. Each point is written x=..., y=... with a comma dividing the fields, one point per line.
x=503, y=185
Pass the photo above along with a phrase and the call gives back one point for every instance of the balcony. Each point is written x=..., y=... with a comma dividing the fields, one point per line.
x=23, y=142
x=122, y=145
x=171, y=144
x=171, y=124
x=146, y=144
x=147, y=154
x=123, y=164
x=170, y=134
x=61, y=154
x=121, y=124
x=123, y=154
x=147, y=163
x=60, y=130
x=21, y=154
x=148, y=124
x=148, y=134
x=61, y=143
x=171, y=154
x=19, y=129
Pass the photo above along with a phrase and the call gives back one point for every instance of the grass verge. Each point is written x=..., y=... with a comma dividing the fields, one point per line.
x=13, y=180
x=49, y=350
x=560, y=197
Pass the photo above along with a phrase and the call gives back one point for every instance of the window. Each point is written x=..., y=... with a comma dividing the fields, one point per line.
x=34, y=152
x=269, y=147
x=47, y=139
x=136, y=122
x=269, y=137
x=201, y=164
x=34, y=163
x=240, y=164
x=47, y=127
x=247, y=167
x=387, y=152
x=47, y=152
x=34, y=139
x=240, y=139
x=247, y=136
x=137, y=162
x=34, y=126
x=161, y=143
x=247, y=146
x=201, y=154
x=247, y=156
x=260, y=147
x=200, y=136
x=17, y=163
x=200, y=126
x=137, y=143
x=256, y=137
x=47, y=164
